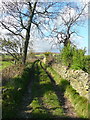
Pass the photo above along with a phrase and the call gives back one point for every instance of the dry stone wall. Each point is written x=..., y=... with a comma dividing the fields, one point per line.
x=78, y=79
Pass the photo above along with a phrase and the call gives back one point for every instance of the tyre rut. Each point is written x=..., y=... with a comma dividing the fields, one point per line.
x=66, y=105
x=26, y=110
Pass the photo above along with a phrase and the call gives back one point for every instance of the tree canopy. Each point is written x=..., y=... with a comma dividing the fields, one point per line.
x=24, y=19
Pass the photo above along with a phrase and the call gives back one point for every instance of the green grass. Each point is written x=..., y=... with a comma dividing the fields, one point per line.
x=6, y=57
x=40, y=55
x=13, y=93
x=45, y=102
x=42, y=92
x=79, y=103
x=4, y=64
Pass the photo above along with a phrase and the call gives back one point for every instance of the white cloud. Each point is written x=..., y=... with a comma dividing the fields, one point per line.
x=3, y=31
x=0, y=2
x=40, y=45
x=43, y=45
x=67, y=13
x=84, y=1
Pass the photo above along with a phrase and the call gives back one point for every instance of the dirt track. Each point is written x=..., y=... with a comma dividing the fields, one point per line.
x=25, y=110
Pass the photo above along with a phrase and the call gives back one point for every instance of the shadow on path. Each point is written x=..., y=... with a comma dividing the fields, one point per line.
x=29, y=97
x=66, y=105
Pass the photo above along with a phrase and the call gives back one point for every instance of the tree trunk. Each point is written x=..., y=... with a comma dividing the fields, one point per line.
x=28, y=32
x=66, y=42
x=26, y=45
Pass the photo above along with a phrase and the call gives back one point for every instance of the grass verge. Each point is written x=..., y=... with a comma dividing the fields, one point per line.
x=79, y=103
x=13, y=92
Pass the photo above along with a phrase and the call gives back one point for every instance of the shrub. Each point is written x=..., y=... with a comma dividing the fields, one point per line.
x=78, y=59
x=49, y=58
x=73, y=57
x=87, y=63
x=47, y=54
x=67, y=54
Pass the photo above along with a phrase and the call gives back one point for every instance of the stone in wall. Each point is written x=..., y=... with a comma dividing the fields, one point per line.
x=77, y=78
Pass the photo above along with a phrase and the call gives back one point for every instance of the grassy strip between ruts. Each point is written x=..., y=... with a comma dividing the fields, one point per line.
x=45, y=102
x=13, y=92
x=79, y=103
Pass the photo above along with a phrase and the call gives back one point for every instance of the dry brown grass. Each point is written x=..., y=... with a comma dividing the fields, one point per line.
x=10, y=72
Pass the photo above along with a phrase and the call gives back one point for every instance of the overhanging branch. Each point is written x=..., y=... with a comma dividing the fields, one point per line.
x=10, y=30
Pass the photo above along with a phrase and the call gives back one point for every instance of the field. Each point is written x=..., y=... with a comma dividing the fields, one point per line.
x=5, y=61
x=4, y=64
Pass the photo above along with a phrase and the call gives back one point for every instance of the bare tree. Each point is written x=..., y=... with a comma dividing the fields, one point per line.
x=16, y=13
x=20, y=17
x=70, y=17
x=12, y=46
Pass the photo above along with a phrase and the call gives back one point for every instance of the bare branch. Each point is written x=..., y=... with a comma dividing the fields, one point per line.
x=10, y=30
